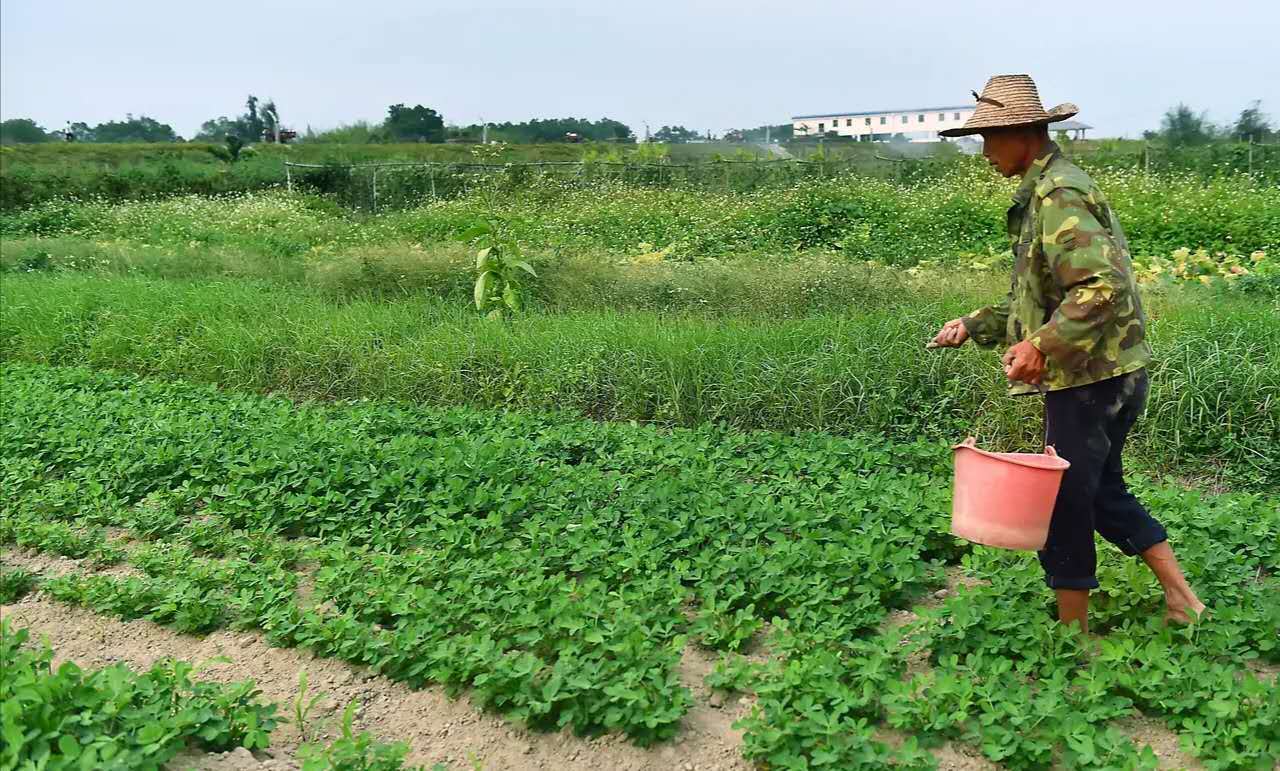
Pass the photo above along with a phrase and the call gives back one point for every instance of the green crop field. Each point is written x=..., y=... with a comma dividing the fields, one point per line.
x=556, y=569
x=701, y=429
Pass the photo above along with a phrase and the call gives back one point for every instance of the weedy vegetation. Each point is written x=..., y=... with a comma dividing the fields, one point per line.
x=822, y=346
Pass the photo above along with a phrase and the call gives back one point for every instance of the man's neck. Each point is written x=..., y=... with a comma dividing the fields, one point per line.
x=1023, y=193
x=1035, y=152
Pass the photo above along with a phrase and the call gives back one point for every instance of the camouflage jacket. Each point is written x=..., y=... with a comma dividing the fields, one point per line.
x=1073, y=294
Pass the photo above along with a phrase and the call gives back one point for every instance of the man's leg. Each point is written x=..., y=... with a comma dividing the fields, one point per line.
x=1075, y=427
x=1182, y=604
x=1073, y=607
x=1125, y=522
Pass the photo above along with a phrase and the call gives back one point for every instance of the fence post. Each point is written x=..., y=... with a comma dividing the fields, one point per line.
x=433, y=182
x=375, y=189
x=288, y=177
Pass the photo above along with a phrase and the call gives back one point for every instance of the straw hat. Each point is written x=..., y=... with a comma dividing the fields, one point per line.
x=1010, y=100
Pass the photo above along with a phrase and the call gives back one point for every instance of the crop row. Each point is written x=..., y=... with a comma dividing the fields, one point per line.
x=66, y=718
x=467, y=534
x=63, y=717
x=557, y=569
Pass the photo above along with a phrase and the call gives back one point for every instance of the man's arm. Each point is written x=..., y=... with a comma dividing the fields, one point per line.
x=1089, y=266
x=987, y=326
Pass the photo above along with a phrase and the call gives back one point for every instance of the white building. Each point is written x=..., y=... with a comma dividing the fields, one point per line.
x=918, y=124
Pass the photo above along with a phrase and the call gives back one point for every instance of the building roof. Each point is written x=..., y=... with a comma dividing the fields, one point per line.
x=882, y=112
x=1070, y=125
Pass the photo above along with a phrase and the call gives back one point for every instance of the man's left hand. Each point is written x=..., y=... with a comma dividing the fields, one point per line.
x=1025, y=363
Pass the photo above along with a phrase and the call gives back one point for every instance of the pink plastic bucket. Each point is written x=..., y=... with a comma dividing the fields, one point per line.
x=1004, y=498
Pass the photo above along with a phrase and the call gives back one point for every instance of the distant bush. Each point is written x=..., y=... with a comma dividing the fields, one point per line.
x=23, y=131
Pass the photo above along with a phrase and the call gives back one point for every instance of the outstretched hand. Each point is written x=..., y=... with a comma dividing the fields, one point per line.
x=1024, y=363
x=953, y=335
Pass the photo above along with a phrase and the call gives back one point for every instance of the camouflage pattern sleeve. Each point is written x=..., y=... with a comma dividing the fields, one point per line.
x=987, y=326
x=1092, y=271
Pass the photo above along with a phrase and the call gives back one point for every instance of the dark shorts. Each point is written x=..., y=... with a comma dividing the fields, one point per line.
x=1087, y=425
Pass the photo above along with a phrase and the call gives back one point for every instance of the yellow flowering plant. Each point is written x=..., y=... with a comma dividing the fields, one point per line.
x=1185, y=265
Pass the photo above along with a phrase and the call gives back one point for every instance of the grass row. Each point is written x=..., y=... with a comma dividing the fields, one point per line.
x=557, y=569
x=764, y=287
x=958, y=214
x=1213, y=406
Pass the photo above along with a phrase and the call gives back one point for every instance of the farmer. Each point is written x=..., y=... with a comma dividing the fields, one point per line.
x=1075, y=327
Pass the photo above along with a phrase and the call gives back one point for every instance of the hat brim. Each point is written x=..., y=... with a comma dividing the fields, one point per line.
x=1059, y=113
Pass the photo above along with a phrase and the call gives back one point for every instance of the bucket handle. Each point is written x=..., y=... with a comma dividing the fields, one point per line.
x=971, y=443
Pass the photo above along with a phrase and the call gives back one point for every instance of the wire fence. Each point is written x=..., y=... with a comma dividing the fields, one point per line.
x=1255, y=159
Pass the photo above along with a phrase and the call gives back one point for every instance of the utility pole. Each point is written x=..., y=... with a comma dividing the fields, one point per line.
x=484, y=131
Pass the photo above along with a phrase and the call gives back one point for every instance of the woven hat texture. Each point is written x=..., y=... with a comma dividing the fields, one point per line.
x=1010, y=100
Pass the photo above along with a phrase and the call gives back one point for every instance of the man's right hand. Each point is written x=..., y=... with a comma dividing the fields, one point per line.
x=953, y=335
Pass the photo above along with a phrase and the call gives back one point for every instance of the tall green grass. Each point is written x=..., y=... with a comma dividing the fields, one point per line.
x=1215, y=402
x=763, y=286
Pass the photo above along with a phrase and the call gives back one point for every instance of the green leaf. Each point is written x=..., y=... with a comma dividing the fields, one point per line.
x=348, y=719
x=475, y=231
x=482, y=258
x=150, y=734
x=68, y=746
x=209, y=733
x=484, y=286
x=526, y=267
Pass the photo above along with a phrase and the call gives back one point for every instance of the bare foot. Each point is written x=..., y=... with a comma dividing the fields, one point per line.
x=1183, y=610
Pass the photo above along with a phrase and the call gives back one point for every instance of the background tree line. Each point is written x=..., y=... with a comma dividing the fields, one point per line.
x=1182, y=126
x=131, y=129
x=261, y=121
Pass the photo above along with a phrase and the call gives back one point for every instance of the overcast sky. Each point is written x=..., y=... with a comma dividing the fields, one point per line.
x=706, y=65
